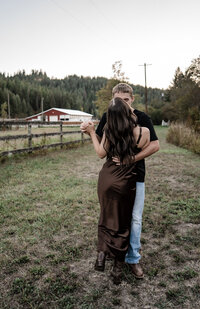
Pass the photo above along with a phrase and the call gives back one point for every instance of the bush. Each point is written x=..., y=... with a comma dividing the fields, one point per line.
x=156, y=116
x=183, y=136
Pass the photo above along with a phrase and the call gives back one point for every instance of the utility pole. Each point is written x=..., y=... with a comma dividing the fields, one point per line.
x=145, y=78
x=42, y=107
x=8, y=105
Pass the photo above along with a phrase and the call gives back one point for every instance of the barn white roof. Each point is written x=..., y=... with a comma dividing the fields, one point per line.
x=72, y=112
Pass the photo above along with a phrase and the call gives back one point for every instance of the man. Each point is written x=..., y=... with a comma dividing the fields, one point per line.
x=125, y=92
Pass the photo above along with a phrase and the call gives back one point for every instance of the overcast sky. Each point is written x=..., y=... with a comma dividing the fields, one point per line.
x=85, y=37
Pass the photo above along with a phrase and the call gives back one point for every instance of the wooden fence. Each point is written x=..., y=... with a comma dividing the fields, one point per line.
x=5, y=125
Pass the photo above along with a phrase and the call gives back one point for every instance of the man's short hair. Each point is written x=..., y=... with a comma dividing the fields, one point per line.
x=123, y=87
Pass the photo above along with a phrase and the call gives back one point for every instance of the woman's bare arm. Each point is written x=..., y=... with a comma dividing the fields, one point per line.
x=98, y=145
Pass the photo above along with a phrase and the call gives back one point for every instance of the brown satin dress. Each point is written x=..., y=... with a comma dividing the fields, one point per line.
x=116, y=192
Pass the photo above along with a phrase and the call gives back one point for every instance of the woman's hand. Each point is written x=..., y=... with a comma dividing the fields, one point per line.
x=83, y=126
x=88, y=128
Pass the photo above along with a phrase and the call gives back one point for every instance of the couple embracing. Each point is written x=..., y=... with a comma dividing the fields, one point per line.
x=125, y=136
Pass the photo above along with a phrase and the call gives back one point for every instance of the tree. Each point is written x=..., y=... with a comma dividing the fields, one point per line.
x=104, y=96
x=193, y=71
x=4, y=113
x=184, y=95
x=118, y=74
x=178, y=79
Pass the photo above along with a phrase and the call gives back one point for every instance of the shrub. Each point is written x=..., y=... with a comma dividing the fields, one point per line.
x=183, y=136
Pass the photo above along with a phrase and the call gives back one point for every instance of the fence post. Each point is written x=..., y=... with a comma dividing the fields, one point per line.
x=82, y=137
x=61, y=136
x=29, y=136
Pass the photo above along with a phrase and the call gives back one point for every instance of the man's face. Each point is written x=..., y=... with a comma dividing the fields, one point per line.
x=125, y=96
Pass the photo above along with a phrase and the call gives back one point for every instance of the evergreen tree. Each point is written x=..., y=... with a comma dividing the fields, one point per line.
x=184, y=96
x=4, y=113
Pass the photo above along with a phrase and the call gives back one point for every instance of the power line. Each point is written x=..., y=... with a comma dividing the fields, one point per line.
x=67, y=11
x=145, y=78
x=104, y=16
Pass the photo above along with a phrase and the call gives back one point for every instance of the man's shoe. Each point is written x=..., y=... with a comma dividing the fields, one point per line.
x=116, y=272
x=137, y=271
x=100, y=261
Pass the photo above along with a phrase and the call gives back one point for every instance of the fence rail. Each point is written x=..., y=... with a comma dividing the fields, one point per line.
x=30, y=135
x=9, y=137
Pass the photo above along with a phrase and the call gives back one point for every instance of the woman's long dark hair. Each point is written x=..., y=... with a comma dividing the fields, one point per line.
x=119, y=130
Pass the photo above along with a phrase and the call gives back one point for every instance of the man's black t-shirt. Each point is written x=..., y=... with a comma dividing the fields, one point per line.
x=144, y=121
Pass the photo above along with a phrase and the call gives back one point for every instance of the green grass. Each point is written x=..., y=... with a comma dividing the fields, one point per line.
x=48, y=224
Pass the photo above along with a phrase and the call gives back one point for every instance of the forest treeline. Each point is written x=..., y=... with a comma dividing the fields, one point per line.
x=72, y=92
x=27, y=91
x=181, y=101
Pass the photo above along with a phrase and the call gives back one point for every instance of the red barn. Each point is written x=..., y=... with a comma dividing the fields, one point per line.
x=61, y=114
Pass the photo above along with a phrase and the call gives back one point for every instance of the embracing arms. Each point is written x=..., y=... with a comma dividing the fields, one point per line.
x=145, y=137
x=98, y=143
x=148, y=151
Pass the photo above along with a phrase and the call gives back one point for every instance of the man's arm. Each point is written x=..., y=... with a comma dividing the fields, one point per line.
x=147, y=151
x=154, y=142
x=153, y=147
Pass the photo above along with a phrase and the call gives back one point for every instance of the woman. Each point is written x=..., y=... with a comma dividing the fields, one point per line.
x=122, y=138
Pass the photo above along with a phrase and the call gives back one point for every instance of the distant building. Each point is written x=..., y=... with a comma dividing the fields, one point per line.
x=165, y=123
x=60, y=114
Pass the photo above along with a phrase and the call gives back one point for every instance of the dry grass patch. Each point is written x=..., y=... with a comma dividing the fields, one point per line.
x=186, y=137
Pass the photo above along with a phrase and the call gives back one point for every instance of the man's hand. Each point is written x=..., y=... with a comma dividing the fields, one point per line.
x=90, y=127
x=116, y=160
x=87, y=127
x=146, y=152
x=83, y=127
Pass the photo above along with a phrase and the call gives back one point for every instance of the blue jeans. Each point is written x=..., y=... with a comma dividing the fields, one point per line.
x=133, y=256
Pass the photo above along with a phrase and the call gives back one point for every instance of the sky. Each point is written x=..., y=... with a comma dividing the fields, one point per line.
x=85, y=37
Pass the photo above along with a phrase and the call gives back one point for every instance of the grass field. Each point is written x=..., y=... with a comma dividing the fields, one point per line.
x=23, y=142
x=48, y=225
